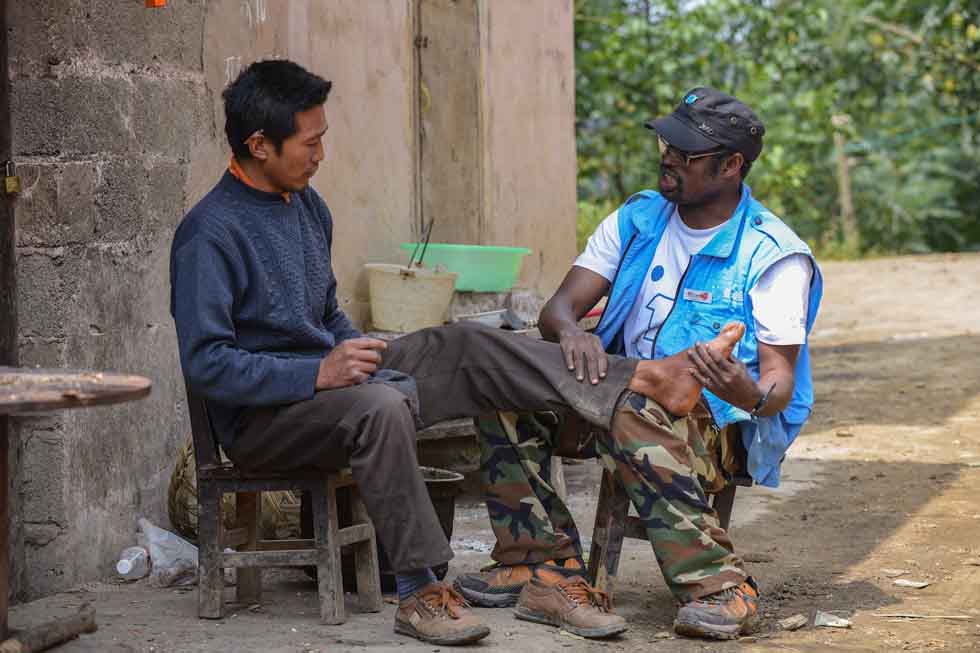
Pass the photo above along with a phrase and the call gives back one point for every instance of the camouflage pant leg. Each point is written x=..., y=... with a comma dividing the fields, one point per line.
x=529, y=519
x=662, y=463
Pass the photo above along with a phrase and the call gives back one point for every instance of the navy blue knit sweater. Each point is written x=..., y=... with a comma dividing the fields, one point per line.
x=254, y=298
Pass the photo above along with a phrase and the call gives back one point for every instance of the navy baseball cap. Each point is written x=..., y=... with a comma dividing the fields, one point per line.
x=707, y=119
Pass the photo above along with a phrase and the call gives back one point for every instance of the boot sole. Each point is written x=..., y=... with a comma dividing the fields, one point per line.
x=592, y=633
x=489, y=600
x=467, y=636
x=709, y=631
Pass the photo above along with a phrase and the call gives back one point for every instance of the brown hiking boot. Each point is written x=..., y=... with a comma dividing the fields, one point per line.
x=722, y=615
x=571, y=604
x=438, y=615
x=499, y=586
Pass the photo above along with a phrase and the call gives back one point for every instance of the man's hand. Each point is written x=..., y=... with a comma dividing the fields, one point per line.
x=726, y=377
x=350, y=363
x=584, y=354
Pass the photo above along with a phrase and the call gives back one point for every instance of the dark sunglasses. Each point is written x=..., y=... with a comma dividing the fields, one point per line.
x=686, y=157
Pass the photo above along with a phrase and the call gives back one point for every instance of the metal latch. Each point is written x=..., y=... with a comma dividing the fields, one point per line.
x=11, y=182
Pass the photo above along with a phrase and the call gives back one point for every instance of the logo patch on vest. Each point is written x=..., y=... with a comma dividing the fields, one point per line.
x=699, y=296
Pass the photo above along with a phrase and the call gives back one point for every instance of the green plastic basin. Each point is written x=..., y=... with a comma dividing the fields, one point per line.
x=482, y=268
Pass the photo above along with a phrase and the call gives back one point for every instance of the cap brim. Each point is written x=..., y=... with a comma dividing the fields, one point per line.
x=681, y=135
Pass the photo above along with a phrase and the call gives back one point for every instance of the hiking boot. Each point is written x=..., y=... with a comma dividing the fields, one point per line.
x=571, y=604
x=499, y=586
x=437, y=614
x=722, y=615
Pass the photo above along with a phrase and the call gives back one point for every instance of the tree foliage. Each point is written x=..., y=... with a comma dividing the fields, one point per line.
x=900, y=79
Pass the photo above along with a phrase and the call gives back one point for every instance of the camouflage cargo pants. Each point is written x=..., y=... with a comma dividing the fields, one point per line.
x=666, y=466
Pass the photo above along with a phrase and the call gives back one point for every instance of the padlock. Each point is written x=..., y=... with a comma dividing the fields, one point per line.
x=11, y=182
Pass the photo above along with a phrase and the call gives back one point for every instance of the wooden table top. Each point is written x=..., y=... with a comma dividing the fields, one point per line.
x=25, y=390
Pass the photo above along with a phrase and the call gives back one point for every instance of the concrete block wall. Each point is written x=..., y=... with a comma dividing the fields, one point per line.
x=108, y=100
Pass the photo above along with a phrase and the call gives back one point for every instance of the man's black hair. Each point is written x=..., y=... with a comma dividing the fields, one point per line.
x=267, y=96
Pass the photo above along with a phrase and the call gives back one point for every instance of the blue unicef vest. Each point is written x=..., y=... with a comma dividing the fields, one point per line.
x=713, y=291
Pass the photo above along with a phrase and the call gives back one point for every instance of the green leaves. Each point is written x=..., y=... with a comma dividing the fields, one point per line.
x=907, y=72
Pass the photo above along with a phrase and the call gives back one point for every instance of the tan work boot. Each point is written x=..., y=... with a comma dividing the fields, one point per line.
x=499, y=586
x=722, y=615
x=437, y=614
x=571, y=604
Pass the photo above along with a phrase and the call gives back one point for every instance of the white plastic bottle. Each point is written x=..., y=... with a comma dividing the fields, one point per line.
x=134, y=563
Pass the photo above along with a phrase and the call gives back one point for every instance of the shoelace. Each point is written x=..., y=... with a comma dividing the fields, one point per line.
x=723, y=596
x=579, y=590
x=445, y=598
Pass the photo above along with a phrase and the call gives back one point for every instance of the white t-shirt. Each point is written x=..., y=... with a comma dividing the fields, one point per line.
x=779, y=298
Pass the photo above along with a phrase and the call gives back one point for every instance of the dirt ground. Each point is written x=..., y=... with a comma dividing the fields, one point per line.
x=885, y=477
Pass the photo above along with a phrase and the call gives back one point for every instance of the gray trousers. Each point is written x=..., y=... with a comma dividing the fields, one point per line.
x=462, y=370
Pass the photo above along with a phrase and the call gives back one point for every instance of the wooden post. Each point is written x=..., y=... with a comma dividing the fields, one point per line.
x=848, y=225
x=8, y=315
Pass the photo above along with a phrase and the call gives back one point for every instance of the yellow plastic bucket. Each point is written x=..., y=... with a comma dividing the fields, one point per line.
x=407, y=299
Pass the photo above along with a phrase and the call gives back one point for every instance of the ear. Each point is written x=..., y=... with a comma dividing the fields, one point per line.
x=733, y=165
x=258, y=146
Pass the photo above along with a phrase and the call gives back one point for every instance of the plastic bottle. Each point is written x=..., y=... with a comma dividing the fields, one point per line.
x=134, y=563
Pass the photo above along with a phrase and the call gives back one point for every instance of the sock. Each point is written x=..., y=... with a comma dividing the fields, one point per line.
x=411, y=582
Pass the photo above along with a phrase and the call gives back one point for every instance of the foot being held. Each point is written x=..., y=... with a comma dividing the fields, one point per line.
x=669, y=382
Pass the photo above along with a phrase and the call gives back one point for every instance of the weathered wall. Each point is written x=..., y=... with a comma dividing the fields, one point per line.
x=118, y=130
x=108, y=100
x=369, y=176
x=498, y=128
x=528, y=89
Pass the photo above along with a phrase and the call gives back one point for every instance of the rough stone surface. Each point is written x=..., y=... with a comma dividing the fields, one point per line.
x=58, y=205
x=108, y=101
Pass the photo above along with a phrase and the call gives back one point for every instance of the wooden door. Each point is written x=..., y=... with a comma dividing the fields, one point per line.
x=450, y=156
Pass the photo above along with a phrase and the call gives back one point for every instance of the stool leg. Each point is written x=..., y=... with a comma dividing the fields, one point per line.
x=366, y=559
x=211, y=581
x=607, y=536
x=723, y=502
x=330, y=577
x=248, y=513
x=558, y=478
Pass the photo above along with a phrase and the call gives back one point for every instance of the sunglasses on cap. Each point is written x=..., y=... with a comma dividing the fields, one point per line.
x=685, y=157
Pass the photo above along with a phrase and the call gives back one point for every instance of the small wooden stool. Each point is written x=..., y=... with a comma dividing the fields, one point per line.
x=613, y=523
x=323, y=551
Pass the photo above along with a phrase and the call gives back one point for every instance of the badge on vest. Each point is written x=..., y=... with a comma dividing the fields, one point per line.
x=699, y=296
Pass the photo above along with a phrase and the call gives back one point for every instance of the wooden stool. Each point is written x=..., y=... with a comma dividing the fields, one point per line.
x=613, y=524
x=323, y=551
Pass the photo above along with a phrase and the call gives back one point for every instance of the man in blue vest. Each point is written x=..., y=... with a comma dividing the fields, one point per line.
x=676, y=266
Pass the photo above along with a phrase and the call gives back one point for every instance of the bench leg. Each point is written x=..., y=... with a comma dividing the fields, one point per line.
x=248, y=513
x=211, y=581
x=330, y=578
x=607, y=536
x=366, y=559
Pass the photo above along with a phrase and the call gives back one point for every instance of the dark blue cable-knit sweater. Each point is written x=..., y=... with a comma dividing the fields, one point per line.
x=254, y=298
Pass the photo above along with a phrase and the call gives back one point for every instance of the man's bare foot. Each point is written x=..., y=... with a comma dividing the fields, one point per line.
x=668, y=381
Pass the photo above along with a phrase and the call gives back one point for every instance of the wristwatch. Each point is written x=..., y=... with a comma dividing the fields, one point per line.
x=762, y=402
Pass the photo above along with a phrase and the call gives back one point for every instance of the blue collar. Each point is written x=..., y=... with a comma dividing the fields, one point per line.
x=723, y=243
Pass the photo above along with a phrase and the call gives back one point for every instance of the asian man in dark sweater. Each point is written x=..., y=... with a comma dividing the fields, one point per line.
x=291, y=383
